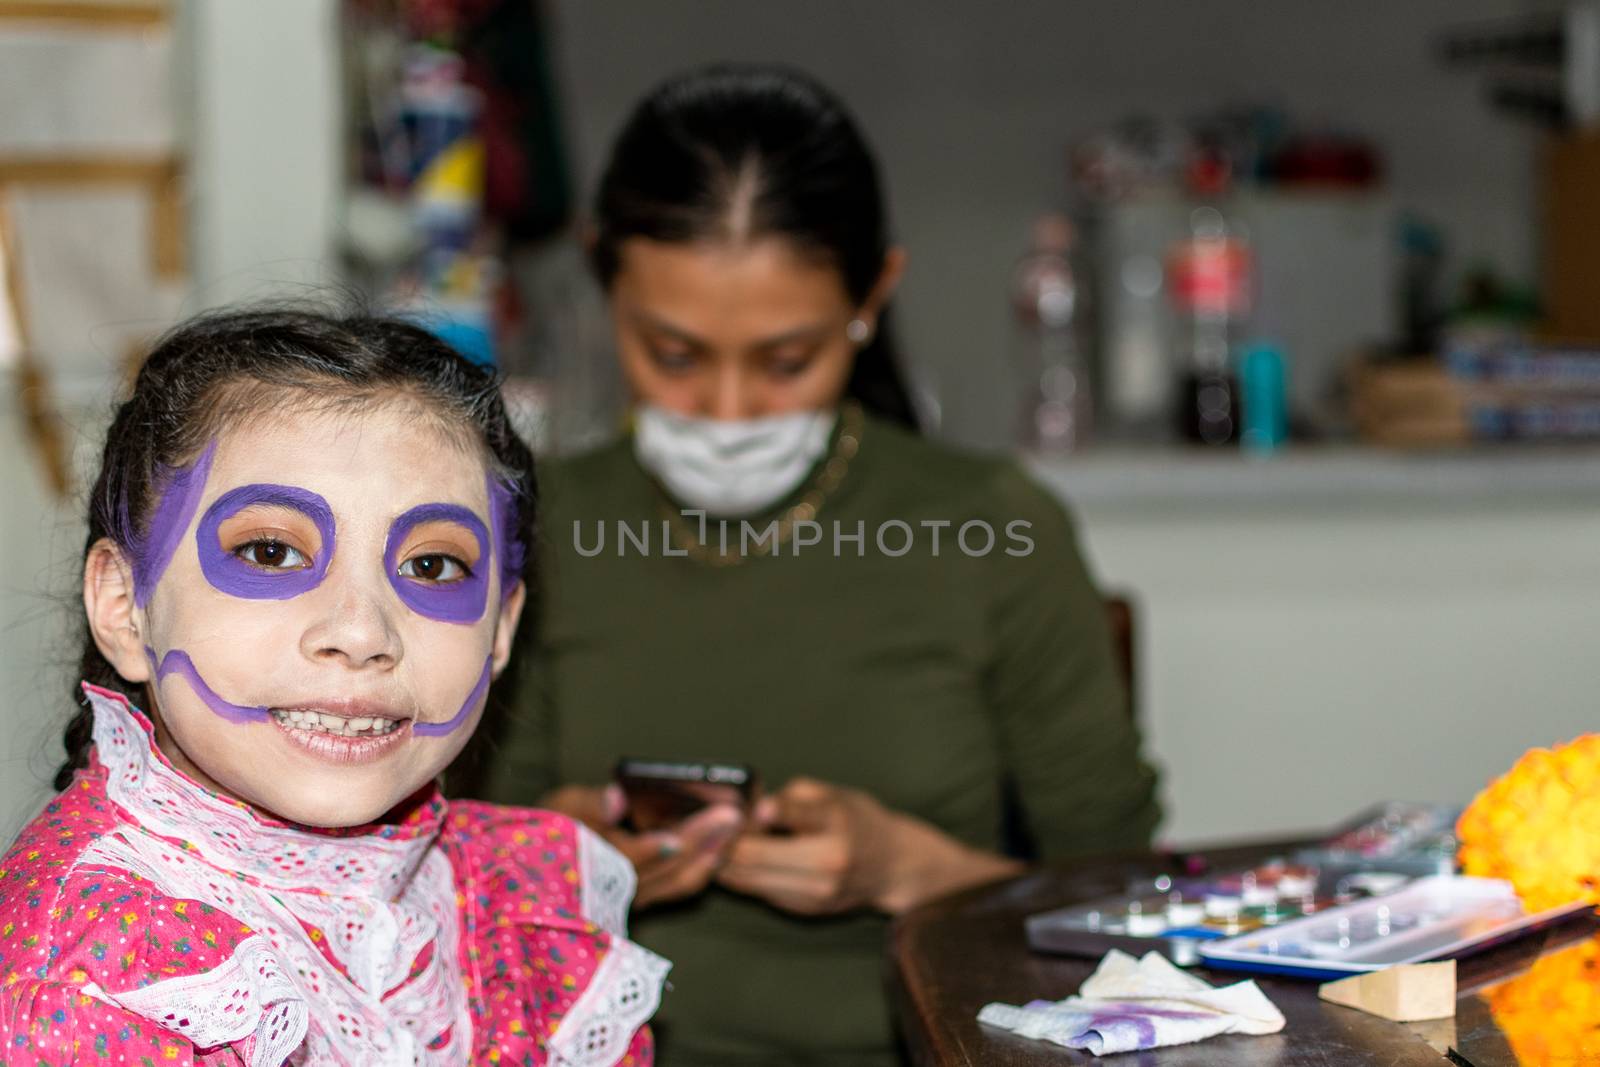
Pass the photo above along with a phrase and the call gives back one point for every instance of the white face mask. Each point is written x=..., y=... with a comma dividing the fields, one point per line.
x=730, y=467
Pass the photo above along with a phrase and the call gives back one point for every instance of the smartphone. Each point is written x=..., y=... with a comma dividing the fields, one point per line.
x=663, y=793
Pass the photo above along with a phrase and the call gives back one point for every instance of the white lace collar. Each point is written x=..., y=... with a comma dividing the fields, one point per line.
x=371, y=861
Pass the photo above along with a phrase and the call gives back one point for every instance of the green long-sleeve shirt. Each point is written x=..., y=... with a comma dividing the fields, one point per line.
x=925, y=679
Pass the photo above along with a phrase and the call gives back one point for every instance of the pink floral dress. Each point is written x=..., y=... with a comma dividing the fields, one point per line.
x=147, y=921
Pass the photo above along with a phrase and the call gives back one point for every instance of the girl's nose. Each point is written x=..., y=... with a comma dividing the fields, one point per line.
x=353, y=628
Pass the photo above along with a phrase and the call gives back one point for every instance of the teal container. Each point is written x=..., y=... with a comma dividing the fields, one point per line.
x=1263, y=399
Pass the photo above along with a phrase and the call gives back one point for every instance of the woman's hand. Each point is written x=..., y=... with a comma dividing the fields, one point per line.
x=844, y=850
x=670, y=864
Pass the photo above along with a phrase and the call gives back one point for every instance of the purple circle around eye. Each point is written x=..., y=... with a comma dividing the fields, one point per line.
x=458, y=602
x=232, y=575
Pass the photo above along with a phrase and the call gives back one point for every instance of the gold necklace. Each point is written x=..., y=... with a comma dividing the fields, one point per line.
x=852, y=420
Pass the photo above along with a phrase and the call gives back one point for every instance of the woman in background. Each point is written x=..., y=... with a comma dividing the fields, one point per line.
x=889, y=688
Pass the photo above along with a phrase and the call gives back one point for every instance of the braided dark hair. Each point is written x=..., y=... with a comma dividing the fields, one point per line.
x=232, y=365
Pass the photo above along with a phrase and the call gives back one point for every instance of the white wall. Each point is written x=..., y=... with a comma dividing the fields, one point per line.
x=267, y=160
x=40, y=613
x=972, y=105
x=1298, y=666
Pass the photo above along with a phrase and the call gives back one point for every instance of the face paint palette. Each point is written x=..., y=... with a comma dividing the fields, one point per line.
x=1376, y=853
x=1415, y=839
x=1175, y=916
x=1442, y=917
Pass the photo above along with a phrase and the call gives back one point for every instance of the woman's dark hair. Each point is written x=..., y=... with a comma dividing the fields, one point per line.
x=752, y=151
x=230, y=366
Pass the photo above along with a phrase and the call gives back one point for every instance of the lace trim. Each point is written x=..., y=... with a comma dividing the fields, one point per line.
x=247, y=999
x=346, y=1021
x=606, y=883
x=624, y=992
x=164, y=802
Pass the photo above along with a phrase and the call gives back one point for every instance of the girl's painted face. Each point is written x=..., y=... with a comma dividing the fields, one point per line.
x=321, y=607
x=734, y=331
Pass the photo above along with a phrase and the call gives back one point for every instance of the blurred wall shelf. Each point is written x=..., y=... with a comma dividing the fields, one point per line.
x=1323, y=478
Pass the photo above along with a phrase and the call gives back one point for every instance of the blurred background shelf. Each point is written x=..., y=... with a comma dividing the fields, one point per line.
x=1323, y=478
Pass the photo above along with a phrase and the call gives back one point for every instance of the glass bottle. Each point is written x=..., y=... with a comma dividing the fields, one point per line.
x=1057, y=406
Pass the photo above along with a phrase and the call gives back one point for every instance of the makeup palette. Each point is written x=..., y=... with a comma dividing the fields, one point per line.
x=1415, y=839
x=1175, y=916
x=1376, y=853
x=1442, y=917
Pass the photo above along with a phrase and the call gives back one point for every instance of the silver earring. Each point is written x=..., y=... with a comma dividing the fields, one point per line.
x=858, y=331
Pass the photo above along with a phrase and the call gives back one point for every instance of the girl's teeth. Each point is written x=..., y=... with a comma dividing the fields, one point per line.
x=321, y=722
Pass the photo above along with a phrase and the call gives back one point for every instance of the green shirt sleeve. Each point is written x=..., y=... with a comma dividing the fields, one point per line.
x=1066, y=736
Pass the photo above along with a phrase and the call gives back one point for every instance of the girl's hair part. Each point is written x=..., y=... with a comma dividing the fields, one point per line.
x=224, y=368
x=738, y=152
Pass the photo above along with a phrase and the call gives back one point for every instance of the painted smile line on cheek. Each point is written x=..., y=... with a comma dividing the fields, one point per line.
x=229, y=574
x=181, y=488
x=458, y=602
x=177, y=661
x=474, y=698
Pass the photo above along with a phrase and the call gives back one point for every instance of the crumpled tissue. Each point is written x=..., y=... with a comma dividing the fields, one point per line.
x=1129, y=1004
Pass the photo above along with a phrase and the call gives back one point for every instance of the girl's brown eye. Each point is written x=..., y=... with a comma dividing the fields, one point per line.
x=435, y=567
x=271, y=555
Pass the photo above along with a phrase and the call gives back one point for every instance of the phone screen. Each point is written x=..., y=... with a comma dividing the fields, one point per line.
x=663, y=793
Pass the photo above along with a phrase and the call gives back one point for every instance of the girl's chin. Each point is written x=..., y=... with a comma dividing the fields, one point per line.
x=320, y=811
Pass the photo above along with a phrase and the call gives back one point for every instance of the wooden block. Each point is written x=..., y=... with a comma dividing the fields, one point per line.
x=1408, y=993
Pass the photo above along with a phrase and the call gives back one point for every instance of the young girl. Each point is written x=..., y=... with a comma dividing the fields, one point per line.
x=305, y=566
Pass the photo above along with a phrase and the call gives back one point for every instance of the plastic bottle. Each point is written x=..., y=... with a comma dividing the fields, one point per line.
x=1265, y=415
x=1209, y=275
x=1057, y=406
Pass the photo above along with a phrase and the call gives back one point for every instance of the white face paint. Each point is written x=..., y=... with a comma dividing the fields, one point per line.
x=327, y=702
x=731, y=467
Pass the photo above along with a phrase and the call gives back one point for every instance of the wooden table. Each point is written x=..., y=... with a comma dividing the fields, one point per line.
x=950, y=958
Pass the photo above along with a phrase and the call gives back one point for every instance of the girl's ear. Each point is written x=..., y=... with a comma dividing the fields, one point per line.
x=115, y=621
x=505, y=629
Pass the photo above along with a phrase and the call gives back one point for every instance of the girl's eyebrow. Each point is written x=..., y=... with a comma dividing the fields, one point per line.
x=261, y=494
x=283, y=496
x=441, y=511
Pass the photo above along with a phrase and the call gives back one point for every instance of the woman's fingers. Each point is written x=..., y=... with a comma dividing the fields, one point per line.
x=803, y=805
x=755, y=854
x=805, y=874
x=682, y=862
x=582, y=802
x=670, y=864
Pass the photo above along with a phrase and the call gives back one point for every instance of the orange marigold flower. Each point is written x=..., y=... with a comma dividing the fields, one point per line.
x=1538, y=826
